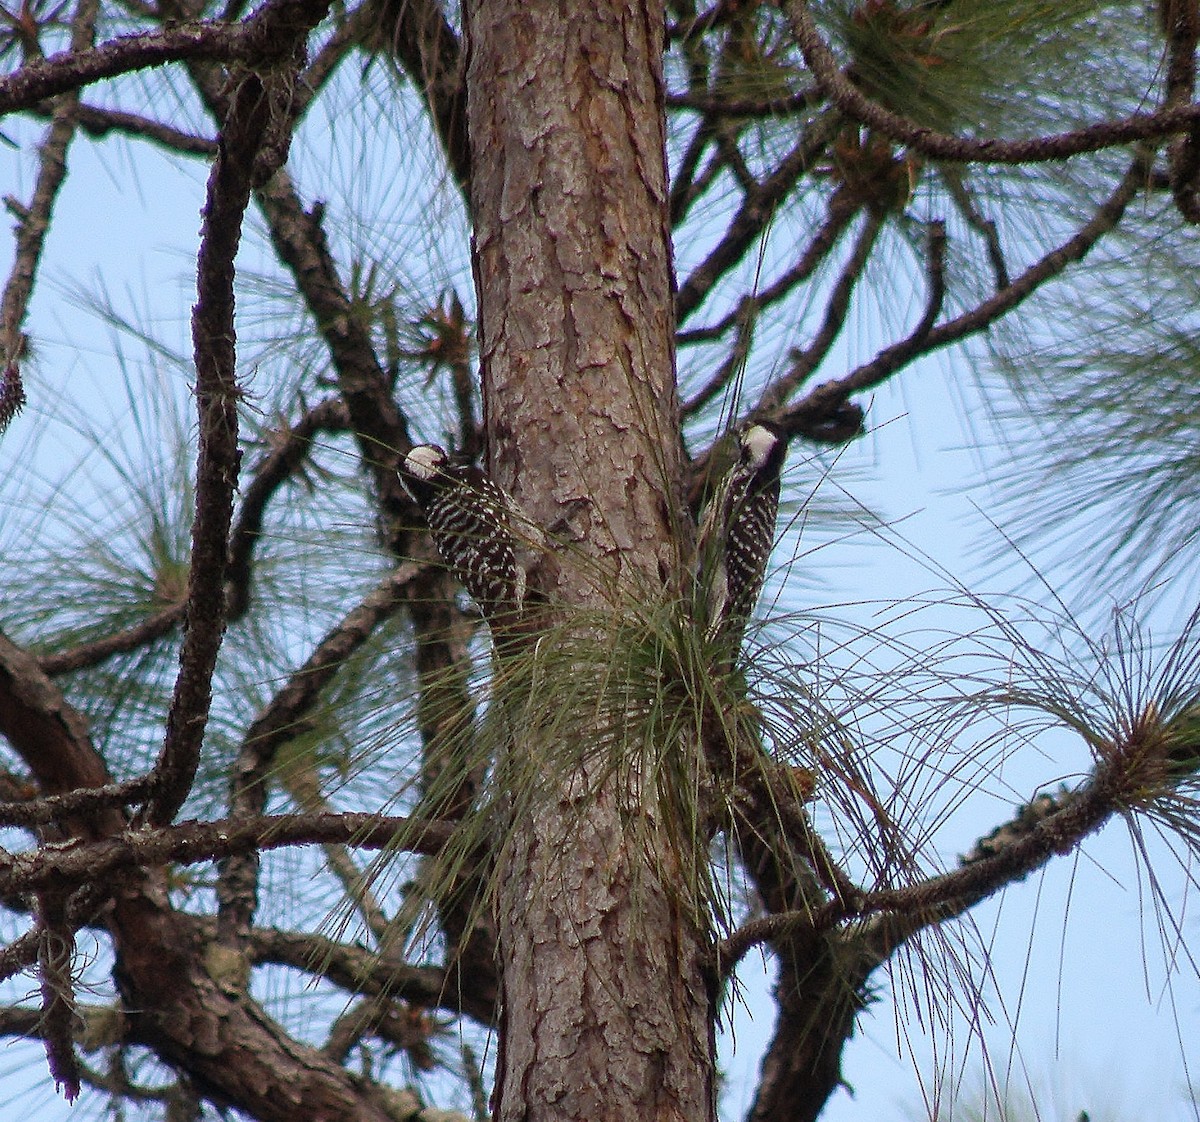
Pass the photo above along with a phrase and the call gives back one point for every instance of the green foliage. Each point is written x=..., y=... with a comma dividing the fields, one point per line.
x=975, y=65
x=1107, y=377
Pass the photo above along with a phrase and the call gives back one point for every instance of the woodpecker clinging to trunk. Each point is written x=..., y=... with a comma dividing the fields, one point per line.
x=737, y=532
x=477, y=527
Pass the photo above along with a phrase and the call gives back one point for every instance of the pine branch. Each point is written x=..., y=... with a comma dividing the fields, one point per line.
x=34, y=221
x=686, y=186
x=48, y=733
x=33, y=813
x=96, y=651
x=70, y=70
x=99, y=123
x=837, y=219
x=943, y=146
x=826, y=399
x=379, y=427
x=817, y=414
x=716, y=106
x=1182, y=27
x=904, y=911
x=836, y=308
x=954, y=179
x=19, y=955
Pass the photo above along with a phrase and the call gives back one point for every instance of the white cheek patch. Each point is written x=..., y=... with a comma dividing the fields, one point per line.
x=759, y=442
x=425, y=462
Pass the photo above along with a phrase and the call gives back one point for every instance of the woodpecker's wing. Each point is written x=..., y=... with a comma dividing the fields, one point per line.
x=737, y=531
x=473, y=523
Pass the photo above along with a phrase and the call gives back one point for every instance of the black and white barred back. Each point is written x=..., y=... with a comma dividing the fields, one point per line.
x=737, y=531
x=472, y=521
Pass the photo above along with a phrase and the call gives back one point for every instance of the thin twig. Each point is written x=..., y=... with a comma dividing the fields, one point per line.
x=822, y=244
x=692, y=187
x=34, y=218
x=952, y=176
x=714, y=105
x=98, y=650
x=290, y=446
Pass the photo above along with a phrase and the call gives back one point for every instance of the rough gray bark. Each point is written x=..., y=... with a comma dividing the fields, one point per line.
x=606, y=1014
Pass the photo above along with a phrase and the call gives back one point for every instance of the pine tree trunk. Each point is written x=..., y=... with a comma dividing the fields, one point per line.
x=606, y=1011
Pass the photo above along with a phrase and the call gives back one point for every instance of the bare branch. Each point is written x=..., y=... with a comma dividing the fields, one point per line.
x=695, y=24
x=714, y=105
x=188, y=842
x=19, y=955
x=97, y=122
x=369, y=971
x=98, y=650
x=49, y=734
x=955, y=182
x=17, y=1020
x=253, y=144
x=70, y=70
x=379, y=427
x=906, y=910
x=744, y=317
x=1182, y=27
x=52, y=809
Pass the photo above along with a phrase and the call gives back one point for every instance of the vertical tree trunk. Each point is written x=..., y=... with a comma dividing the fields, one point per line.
x=606, y=1011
